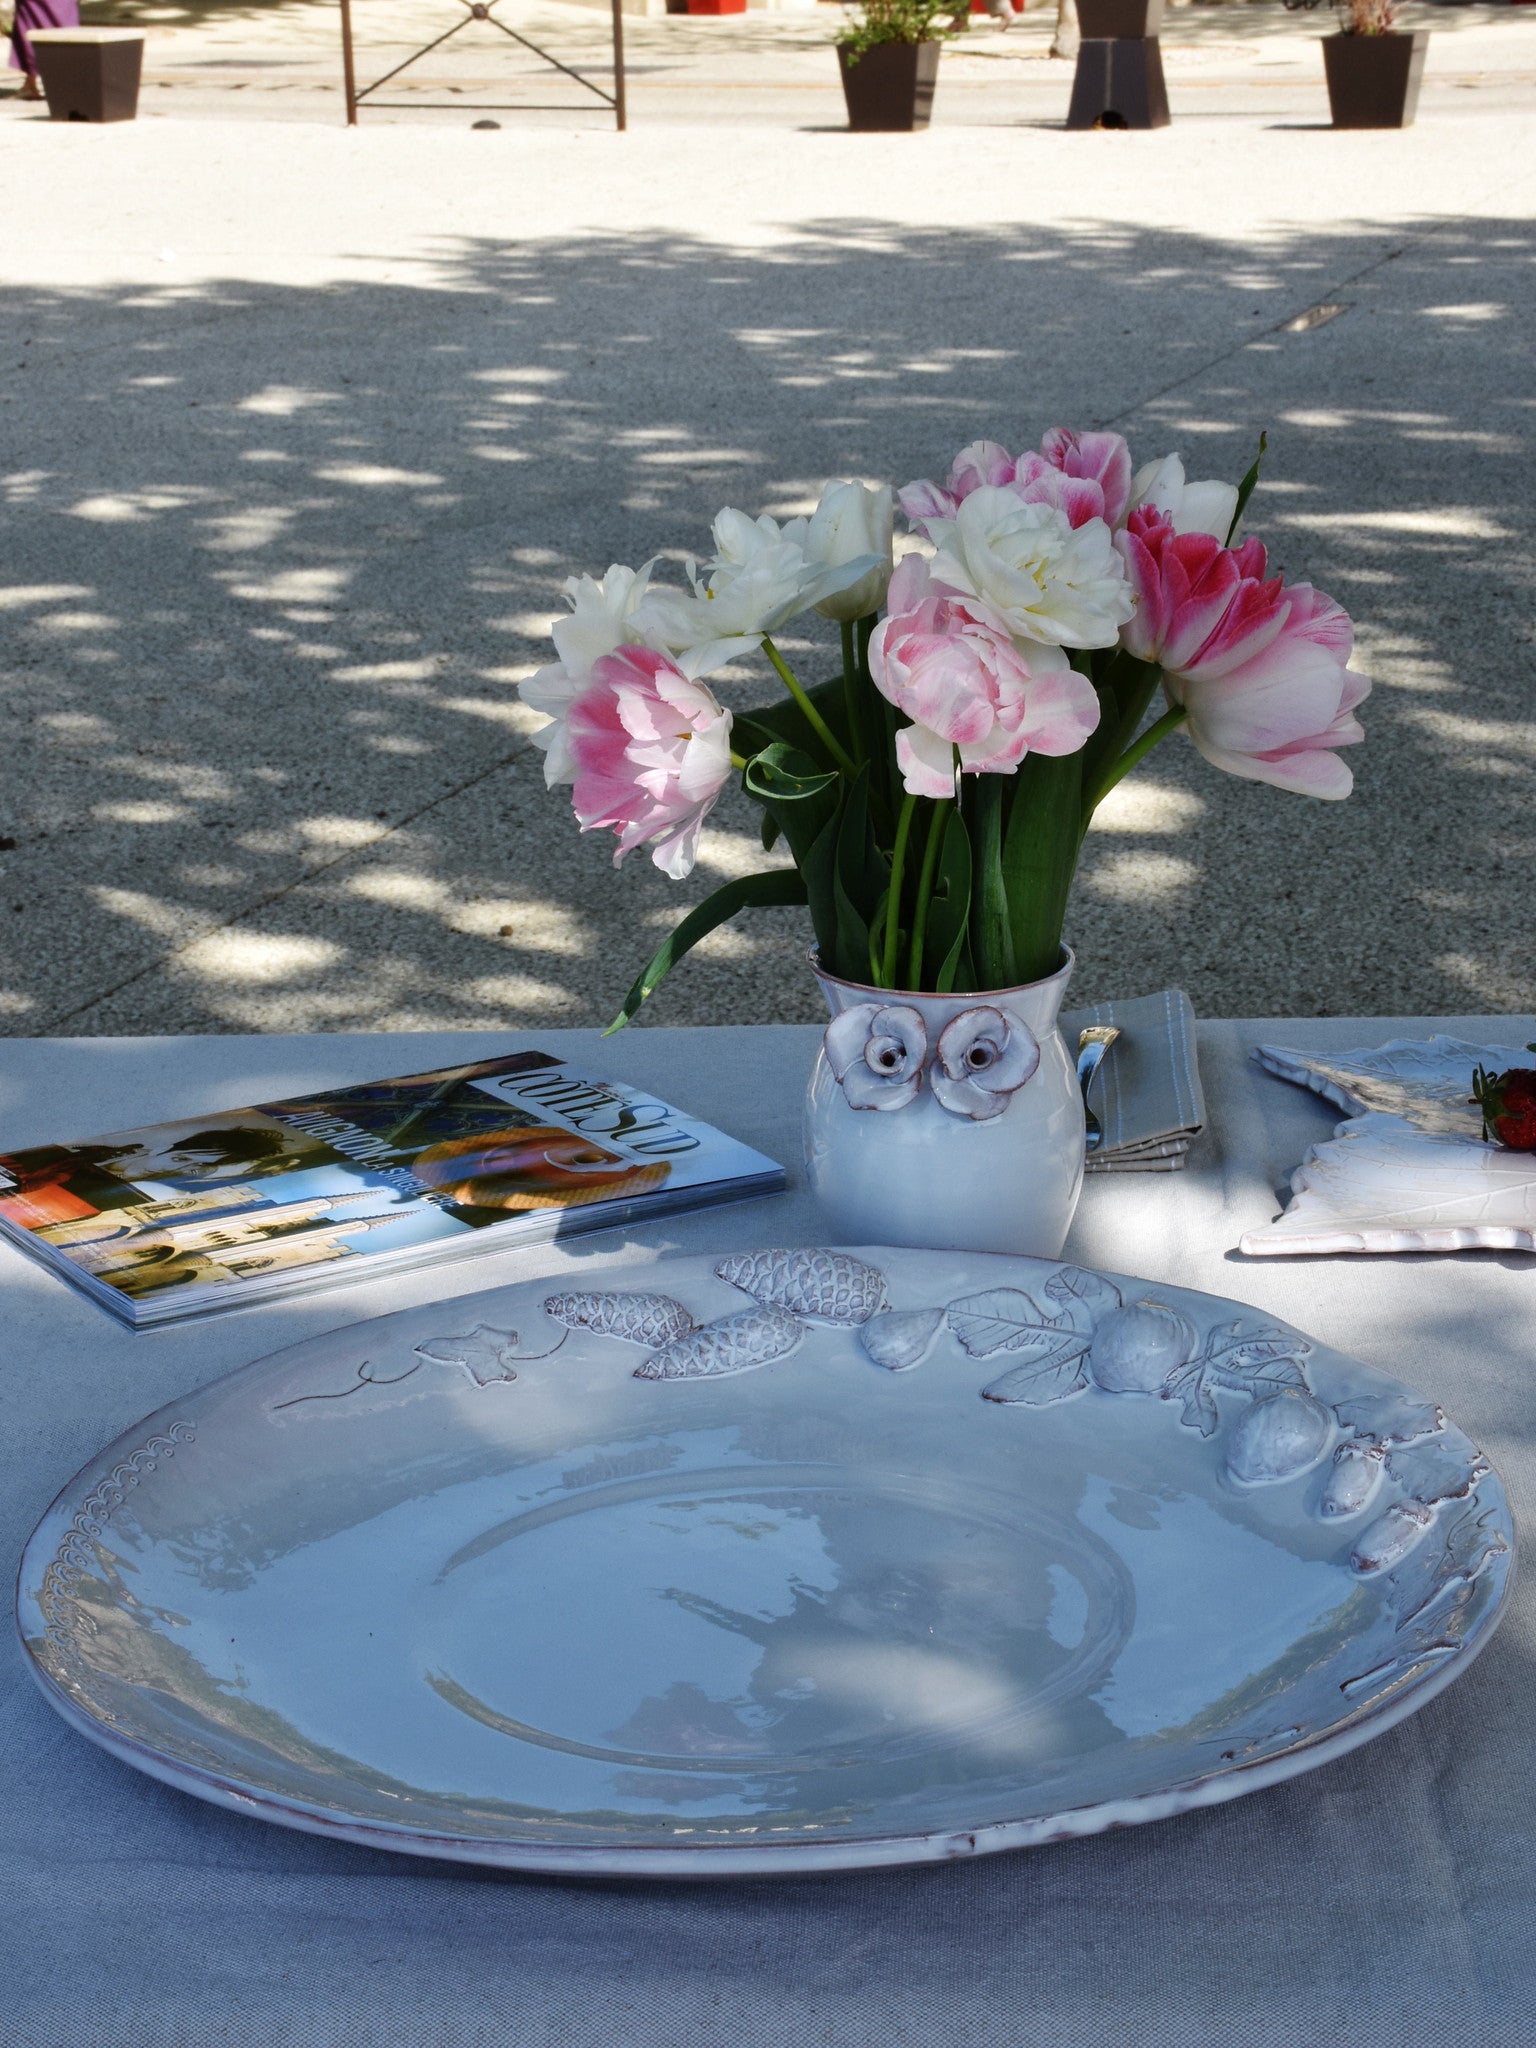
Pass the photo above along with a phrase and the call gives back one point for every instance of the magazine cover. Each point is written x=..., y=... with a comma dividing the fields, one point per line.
x=214, y=1210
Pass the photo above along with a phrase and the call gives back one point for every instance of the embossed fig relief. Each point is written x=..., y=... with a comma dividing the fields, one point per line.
x=1278, y=1437
x=736, y=1343
x=876, y=1053
x=983, y=1056
x=1136, y=1349
x=828, y=1287
x=900, y=1338
x=636, y=1318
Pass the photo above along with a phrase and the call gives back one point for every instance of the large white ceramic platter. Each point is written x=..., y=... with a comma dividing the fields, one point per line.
x=782, y=1561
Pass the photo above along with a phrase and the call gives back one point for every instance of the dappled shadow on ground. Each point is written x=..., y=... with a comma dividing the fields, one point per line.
x=275, y=556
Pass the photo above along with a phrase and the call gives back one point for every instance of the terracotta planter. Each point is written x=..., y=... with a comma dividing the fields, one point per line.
x=1101, y=20
x=90, y=74
x=1373, y=81
x=889, y=88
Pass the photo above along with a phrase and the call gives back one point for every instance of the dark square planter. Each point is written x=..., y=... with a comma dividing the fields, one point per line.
x=1099, y=20
x=889, y=89
x=1119, y=83
x=1373, y=81
x=90, y=74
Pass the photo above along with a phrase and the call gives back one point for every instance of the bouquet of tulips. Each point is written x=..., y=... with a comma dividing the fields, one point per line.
x=1051, y=619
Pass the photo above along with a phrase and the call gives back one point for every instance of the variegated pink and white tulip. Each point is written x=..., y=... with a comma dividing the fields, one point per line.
x=1259, y=666
x=651, y=752
x=1103, y=459
x=1193, y=507
x=966, y=684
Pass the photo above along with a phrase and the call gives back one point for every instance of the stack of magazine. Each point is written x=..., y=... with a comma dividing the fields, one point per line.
x=214, y=1211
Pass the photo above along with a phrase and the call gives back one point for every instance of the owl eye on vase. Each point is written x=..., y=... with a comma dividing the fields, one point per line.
x=879, y=1057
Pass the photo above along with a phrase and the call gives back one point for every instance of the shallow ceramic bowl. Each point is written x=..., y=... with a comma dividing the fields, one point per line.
x=814, y=1561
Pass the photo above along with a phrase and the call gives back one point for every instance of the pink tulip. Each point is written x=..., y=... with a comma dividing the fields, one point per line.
x=1087, y=476
x=966, y=684
x=1259, y=666
x=1104, y=459
x=1038, y=482
x=983, y=462
x=652, y=752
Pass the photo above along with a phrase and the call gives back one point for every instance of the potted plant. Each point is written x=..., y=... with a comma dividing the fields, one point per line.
x=1373, y=71
x=1054, y=616
x=890, y=62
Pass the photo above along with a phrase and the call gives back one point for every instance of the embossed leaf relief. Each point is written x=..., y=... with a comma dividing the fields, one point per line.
x=483, y=1354
x=1409, y=1172
x=1425, y=1081
x=1379, y=1185
x=1084, y=1332
x=1436, y=1597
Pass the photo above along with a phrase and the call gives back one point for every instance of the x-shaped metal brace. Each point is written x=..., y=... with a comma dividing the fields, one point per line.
x=481, y=10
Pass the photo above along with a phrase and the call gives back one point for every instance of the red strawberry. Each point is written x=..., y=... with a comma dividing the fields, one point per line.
x=1508, y=1103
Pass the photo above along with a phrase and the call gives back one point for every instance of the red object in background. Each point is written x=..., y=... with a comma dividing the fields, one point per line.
x=981, y=6
x=717, y=6
x=48, y=1202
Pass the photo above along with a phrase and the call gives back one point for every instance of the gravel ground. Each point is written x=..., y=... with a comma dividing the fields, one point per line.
x=304, y=428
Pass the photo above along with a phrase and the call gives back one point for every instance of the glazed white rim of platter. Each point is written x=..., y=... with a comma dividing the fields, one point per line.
x=767, y=1352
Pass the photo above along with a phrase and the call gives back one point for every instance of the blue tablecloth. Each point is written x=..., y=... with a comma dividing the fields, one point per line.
x=1385, y=1899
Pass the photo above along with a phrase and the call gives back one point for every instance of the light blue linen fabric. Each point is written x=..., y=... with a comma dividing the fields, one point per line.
x=1384, y=1901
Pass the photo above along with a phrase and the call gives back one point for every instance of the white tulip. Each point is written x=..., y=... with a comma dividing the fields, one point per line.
x=1208, y=507
x=760, y=576
x=851, y=522
x=1038, y=576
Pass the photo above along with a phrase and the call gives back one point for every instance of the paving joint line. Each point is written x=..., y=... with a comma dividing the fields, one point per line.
x=250, y=910
x=1227, y=355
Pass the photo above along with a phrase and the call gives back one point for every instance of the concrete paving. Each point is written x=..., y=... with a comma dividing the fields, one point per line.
x=302, y=430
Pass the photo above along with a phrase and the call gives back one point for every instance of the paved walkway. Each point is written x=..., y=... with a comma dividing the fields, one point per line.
x=303, y=428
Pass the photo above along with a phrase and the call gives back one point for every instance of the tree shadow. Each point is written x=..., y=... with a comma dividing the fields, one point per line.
x=275, y=556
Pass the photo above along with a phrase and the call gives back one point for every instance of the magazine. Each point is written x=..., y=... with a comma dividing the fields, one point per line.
x=181, y=1219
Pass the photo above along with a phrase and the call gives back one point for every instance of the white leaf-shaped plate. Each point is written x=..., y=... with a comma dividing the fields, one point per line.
x=493, y=1597
x=1409, y=1172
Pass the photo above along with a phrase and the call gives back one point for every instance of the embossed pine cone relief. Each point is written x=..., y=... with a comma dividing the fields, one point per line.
x=734, y=1344
x=636, y=1318
x=829, y=1287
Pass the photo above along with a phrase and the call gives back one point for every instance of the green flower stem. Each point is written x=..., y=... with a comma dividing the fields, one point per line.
x=1125, y=688
x=993, y=939
x=1040, y=849
x=1170, y=721
x=893, y=897
x=813, y=717
x=851, y=703
x=738, y=760
x=930, y=866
